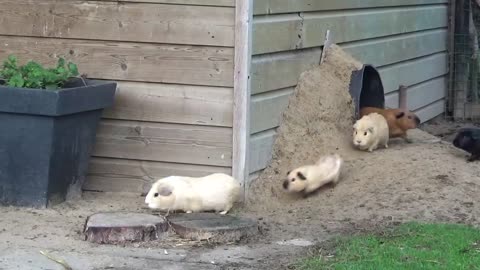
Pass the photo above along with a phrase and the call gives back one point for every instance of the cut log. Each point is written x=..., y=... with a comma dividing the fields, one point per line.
x=121, y=227
x=212, y=227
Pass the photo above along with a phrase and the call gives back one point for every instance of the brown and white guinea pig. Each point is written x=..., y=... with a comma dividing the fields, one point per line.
x=370, y=131
x=215, y=192
x=399, y=120
x=309, y=178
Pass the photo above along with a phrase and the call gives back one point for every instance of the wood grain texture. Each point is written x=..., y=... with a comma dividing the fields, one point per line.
x=104, y=20
x=241, y=89
x=267, y=109
x=290, y=6
x=275, y=71
x=172, y=103
x=413, y=71
x=164, y=142
x=219, y=3
x=261, y=149
x=431, y=110
x=420, y=95
x=294, y=31
x=124, y=227
x=261, y=146
x=281, y=70
x=120, y=175
x=389, y=50
x=197, y=65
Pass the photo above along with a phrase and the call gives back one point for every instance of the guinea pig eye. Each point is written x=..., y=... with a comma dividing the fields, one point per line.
x=365, y=134
x=293, y=180
x=155, y=195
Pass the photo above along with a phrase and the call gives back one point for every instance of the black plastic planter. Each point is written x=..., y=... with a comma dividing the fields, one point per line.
x=46, y=139
x=366, y=88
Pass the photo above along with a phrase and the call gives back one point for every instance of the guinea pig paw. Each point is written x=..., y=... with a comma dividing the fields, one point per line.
x=189, y=212
x=223, y=212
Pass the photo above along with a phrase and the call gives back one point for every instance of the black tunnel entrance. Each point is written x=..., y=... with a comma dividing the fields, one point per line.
x=366, y=88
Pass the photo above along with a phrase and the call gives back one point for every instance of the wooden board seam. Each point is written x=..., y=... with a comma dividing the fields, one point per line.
x=241, y=116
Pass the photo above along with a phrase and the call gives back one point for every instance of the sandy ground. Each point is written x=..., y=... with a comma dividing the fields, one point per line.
x=445, y=128
x=58, y=231
x=427, y=180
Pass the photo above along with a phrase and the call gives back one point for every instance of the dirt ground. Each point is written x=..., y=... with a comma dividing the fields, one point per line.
x=427, y=180
x=445, y=128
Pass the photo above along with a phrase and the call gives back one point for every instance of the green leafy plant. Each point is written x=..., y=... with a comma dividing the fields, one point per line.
x=34, y=75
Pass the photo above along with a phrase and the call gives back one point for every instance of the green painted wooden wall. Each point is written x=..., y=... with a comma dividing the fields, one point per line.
x=405, y=39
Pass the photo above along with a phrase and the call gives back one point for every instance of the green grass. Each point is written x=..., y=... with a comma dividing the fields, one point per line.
x=409, y=246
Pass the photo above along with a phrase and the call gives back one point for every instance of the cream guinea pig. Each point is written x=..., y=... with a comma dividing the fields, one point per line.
x=370, y=131
x=399, y=120
x=309, y=178
x=215, y=192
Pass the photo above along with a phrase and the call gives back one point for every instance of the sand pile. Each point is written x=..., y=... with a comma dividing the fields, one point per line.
x=318, y=121
x=424, y=180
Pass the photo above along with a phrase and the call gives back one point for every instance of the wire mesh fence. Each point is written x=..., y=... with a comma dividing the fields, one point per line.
x=463, y=102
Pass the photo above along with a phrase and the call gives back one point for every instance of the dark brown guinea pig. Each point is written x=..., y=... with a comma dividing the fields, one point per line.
x=399, y=120
x=468, y=139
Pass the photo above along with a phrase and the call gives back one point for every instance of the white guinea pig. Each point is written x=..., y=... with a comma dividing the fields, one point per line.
x=370, y=131
x=215, y=192
x=308, y=178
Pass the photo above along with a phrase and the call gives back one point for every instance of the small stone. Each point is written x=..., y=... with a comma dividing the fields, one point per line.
x=121, y=227
x=212, y=227
x=296, y=242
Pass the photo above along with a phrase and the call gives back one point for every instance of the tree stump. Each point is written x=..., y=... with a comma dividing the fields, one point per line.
x=121, y=227
x=212, y=227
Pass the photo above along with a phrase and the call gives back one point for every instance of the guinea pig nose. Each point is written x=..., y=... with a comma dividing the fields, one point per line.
x=285, y=184
x=359, y=142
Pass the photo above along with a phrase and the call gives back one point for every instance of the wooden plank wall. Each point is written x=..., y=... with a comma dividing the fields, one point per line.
x=173, y=60
x=405, y=39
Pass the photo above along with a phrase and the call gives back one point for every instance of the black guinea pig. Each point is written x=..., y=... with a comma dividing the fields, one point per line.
x=468, y=139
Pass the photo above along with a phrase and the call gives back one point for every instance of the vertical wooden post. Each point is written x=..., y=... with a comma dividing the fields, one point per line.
x=402, y=97
x=326, y=45
x=461, y=61
x=241, y=91
x=451, y=56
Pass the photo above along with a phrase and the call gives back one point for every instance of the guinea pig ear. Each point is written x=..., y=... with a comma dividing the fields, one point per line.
x=399, y=115
x=301, y=176
x=370, y=129
x=165, y=191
